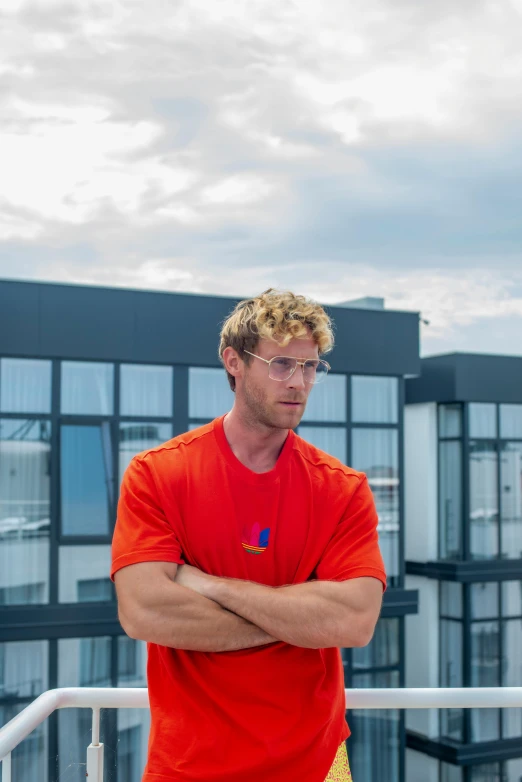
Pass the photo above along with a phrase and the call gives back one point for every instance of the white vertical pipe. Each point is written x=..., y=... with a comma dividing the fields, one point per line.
x=6, y=768
x=95, y=736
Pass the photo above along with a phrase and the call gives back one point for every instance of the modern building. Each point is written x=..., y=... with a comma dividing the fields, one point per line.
x=463, y=503
x=90, y=376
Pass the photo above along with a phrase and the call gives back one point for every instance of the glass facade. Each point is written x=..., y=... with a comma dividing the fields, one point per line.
x=64, y=447
x=25, y=451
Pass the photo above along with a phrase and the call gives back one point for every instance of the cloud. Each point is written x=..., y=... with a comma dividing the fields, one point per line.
x=348, y=148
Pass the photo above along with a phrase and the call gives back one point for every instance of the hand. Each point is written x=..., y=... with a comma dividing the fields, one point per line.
x=193, y=578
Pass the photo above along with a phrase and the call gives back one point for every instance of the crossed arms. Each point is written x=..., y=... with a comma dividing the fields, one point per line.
x=184, y=608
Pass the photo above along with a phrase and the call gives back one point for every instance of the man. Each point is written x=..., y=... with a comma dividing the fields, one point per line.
x=245, y=557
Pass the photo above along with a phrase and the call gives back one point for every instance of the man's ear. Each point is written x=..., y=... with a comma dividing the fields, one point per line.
x=232, y=361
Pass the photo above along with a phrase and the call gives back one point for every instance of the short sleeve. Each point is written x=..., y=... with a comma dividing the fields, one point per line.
x=142, y=533
x=353, y=550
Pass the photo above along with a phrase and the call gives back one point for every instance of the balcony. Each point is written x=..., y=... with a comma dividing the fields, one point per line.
x=22, y=726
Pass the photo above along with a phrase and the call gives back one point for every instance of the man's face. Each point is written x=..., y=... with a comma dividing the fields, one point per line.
x=274, y=403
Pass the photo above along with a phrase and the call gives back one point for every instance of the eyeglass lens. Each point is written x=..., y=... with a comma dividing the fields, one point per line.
x=282, y=367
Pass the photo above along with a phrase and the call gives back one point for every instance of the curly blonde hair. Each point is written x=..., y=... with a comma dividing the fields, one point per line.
x=276, y=315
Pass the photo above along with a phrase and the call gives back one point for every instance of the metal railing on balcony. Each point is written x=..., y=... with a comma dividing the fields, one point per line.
x=97, y=698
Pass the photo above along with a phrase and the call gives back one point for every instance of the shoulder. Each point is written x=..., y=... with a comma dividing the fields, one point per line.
x=174, y=451
x=325, y=465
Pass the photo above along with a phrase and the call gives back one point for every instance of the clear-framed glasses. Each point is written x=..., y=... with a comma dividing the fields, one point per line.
x=283, y=367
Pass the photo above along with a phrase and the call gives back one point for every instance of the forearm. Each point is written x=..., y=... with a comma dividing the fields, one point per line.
x=310, y=615
x=177, y=617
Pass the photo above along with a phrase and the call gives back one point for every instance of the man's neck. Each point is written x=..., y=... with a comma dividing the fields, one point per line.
x=255, y=445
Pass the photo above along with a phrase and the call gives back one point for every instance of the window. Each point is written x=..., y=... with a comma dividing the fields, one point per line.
x=374, y=743
x=375, y=400
x=487, y=772
x=450, y=499
x=137, y=437
x=383, y=649
x=327, y=401
x=450, y=420
x=86, y=479
x=23, y=669
x=82, y=662
x=511, y=499
x=511, y=421
x=482, y=420
x=25, y=385
x=94, y=590
x=451, y=599
x=483, y=500
x=129, y=745
x=451, y=720
x=512, y=674
x=210, y=395
x=84, y=574
x=511, y=598
x=87, y=388
x=146, y=390
x=376, y=453
x=485, y=672
x=328, y=438
x=24, y=510
x=484, y=600
x=130, y=656
x=450, y=773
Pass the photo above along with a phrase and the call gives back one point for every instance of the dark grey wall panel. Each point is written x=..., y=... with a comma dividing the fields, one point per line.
x=375, y=341
x=489, y=378
x=89, y=323
x=467, y=377
x=19, y=319
x=436, y=382
x=82, y=322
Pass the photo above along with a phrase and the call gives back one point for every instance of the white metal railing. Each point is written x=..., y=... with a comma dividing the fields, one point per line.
x=97, y=698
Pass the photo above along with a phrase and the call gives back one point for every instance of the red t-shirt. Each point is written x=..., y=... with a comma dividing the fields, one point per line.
x=276, y=712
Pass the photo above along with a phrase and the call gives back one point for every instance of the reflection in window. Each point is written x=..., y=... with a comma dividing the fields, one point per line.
x=24, y=511
x=25, y=385
x=330, y=439
x=483, y=500
x=482, y=420
x=451, y=720
x=511, y=598
x=487, y=772
x=145, y=390
x=82, y=662
x=383, y=649
x=512, y=674
x=450, y=420
x=485, y=672
x=511, y=499
x=511, y=421
x=133, y=724
x=94, y=590
x=374, y=744
x=210, y=395
x=375, y=400
x=376, y=453
x=86, y=479
x=83, y=574
x=450, y=773
x=23, y=675
x=137, y=437
x=87, y=388
x=451, y=599
x=484, y=600
x=327, y=401
x=450, y=500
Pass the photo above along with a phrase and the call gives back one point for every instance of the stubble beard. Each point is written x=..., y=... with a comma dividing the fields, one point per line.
x=258, y=409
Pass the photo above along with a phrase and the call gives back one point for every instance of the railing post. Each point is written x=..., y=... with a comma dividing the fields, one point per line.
x=6, y=768
x=95, y=751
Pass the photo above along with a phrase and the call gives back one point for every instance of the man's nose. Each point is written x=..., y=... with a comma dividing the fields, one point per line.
x=297, y=379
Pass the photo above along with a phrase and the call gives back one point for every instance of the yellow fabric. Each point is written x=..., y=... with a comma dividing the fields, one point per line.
x=340, y=771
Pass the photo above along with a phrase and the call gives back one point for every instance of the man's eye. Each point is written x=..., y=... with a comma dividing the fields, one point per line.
x=282, y=362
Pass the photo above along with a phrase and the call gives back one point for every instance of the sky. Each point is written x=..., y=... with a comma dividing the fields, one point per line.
x=341, y=149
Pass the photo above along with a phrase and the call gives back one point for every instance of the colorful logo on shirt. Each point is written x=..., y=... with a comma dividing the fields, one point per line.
x=255, y=541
